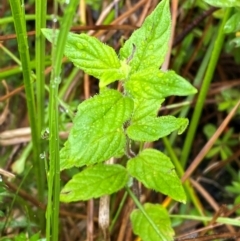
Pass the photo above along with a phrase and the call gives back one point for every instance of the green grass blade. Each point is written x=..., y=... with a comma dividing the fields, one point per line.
x=204, y=89
x=41, y=7
x=52, y=214
x=223, y=220
x=139, y=205
x=197, y=82
x=20, y=27
x=40, y=77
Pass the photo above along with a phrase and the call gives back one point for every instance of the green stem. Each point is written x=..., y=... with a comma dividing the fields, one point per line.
x=28, y=17
x=197, y=82
x=52, y=214
x=204, y=89
x=68, y=82
x=118, y=211
x=19, y=22
x=16, y=70
x=223, y=220
x=139, y=205
x=11, y=55
x=189, y=189
x=41, y=7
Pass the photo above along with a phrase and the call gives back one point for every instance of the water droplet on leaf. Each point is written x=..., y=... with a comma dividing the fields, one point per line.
x=54, y=19
x=45, y=133
x=57, y=80
x=42, y=155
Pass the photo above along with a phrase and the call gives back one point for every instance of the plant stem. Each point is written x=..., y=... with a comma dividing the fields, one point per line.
x=19, y=22
x=28, y=17
x=41, y=7
x=139, y=205
x=118, y=211
x=204, y=89
x=197, y=82
x=52, y=214
x=189, y=189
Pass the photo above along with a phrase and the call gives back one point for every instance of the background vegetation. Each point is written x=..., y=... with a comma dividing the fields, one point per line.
x=206, y=155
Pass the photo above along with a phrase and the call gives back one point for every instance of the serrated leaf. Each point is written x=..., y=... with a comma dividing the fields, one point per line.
x=94, y=182
x=224, y=3
x=155, y=84
x=151, y=129
x=92, y=56
x=159, y=216
x=97, y=133
x=233, y=23
x=156, y=171
x=148, y=45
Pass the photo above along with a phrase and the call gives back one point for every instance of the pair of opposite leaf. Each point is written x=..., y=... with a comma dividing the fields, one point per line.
x=98, y=132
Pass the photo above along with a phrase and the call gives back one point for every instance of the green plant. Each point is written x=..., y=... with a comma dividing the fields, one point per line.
x=234, y=190
x=19, y=22
x=204, y=89
x=227, y=99
x=221, y=146
x=24, y=237
x=107, y=125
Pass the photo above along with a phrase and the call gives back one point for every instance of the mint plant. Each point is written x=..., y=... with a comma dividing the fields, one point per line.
x=106, y=125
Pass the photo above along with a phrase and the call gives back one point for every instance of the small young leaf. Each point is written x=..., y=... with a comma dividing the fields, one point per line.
x=151, y=129
x=94, y=182
x=155, y=84
x=93, y=57
x=233, y=23
x=97, y=133
x=156, y=171
x=159, y=216
x=148, y=45
x=209, y=130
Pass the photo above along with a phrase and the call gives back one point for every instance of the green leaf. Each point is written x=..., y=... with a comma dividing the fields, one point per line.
x=235, y=42
x=151, y=129
x=93, y=57
x=224, y=3
x=97, y=133
x=209, y=130
x=233, y=23
x=66, y=161
x=160, y=217
x=94, y=182
x=225, y=152
x=35, y=237
x=145, y=108
x=155, y=84
x=213, y=151
x=156, y=171
x=148, y=45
